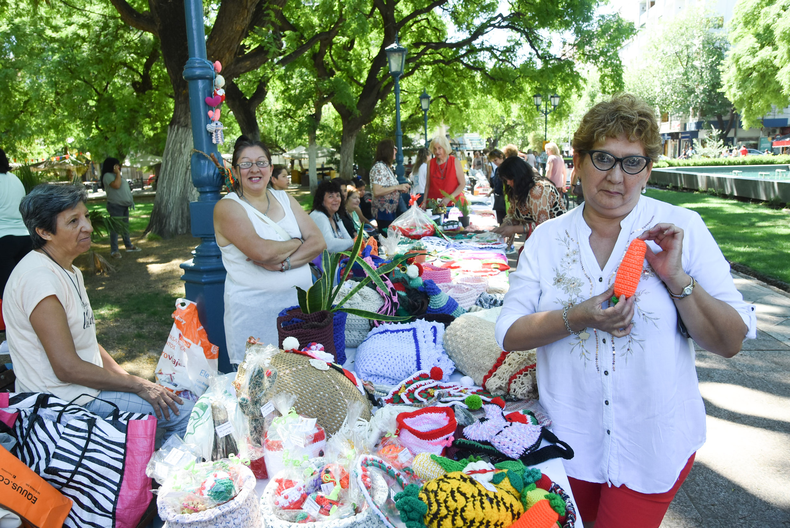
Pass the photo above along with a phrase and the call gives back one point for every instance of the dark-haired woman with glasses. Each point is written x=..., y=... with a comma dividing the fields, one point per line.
x=618, y=378
x=266, y=240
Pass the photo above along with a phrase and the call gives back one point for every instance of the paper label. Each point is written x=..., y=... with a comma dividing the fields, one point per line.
x=404, y=456
x=224, y=430
x=174, y=457
x=327, y=488
x=298, y=440
x=267, y=409
x=311, y=507
x=392, y=494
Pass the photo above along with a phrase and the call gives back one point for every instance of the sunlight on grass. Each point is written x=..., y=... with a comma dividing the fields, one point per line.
x=753, y=235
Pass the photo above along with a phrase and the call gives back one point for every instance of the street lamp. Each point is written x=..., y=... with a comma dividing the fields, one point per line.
x=396, y=57
x=555, y=102
x=425, y=102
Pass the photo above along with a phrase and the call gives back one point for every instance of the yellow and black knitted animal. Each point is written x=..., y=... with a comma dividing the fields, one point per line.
x=456, y=500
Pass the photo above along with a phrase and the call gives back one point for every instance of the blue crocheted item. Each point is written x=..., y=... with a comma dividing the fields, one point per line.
x=339, y=330
x=393, y=352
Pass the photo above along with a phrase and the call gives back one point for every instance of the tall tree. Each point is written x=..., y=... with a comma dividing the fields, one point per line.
x=56, y=87
x=357, y=59
x=246, y=36
x=680, y=68
x=757, y=68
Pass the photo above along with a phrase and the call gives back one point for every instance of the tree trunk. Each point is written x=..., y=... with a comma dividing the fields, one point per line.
x=243, y=110
x=724, y=129
x=174, y=191
x=348, y=141
x=311, y=162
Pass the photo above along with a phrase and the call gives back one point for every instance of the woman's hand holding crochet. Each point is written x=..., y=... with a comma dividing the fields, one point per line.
x=615, y=320
x=667, y=263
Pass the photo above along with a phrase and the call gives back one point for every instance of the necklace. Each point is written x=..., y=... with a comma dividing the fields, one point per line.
x=87, y=315
x=442, y=173
x=268, y=203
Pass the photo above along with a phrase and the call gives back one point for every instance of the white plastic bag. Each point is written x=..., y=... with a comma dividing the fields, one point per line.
x=188, y=359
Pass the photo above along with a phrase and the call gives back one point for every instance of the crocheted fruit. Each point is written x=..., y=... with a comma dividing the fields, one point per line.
x=543, y=509
x=630, y=270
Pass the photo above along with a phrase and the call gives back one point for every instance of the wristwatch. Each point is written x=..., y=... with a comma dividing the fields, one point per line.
x=686, y=291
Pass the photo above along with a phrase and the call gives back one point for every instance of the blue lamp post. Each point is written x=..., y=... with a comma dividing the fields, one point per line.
x=204, y=275
x=396, y=58
x=425, y=102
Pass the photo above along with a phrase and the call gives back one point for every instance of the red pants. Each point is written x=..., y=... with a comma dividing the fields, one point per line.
x=620, y=507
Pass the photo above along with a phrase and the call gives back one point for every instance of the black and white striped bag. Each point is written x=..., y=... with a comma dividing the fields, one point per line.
x=98, y=463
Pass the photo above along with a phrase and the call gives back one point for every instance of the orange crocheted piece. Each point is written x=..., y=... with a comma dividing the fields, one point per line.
x=630, y=270
x=540, y=515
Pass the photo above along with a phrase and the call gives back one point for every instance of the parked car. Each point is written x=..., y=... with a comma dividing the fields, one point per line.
x=755, y=152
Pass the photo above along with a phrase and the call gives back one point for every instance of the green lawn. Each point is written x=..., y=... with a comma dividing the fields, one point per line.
x=753, y=235
x=138, y=217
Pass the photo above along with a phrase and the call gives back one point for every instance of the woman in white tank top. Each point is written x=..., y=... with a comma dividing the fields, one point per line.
x=267, y=241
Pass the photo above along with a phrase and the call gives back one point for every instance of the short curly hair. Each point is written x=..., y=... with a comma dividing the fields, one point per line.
x=623, y=115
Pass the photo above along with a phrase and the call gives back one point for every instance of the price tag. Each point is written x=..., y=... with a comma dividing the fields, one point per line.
x=174, y=457
x=298, y=440
x=327, y=488
x=311, y=507
x=392, y=494
x=404, y=456
x=307, y=424
x=267, y=409
x=224, y=430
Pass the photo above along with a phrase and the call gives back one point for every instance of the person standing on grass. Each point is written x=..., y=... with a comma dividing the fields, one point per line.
x=119, y=201
x=15, y=242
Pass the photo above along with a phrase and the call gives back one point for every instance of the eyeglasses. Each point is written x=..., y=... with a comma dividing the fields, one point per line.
x=603, y=161
x=262, y=164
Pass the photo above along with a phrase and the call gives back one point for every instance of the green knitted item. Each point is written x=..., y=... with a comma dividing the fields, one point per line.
x=557, y=503
x=412, y=509
x=474, y=402
x=451, y=466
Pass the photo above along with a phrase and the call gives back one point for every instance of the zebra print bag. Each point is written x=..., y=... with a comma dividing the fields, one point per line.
x=99, y=463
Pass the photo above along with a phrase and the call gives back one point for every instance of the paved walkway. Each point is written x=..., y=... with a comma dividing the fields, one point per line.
x=741, y=477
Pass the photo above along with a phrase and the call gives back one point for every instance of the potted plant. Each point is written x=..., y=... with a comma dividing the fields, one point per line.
x=314, y=318
x=462, y=204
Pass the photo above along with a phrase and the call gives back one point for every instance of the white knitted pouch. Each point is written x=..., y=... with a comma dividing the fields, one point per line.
x=357, y=327
x=464, y=295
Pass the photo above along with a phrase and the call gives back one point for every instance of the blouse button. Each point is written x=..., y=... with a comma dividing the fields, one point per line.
x=608, y=432
x=600, y=279
x=606, y=402
x=605, y=372
x=604, y=340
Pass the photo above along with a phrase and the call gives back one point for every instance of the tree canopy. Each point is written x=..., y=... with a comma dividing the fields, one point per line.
x=757, y=68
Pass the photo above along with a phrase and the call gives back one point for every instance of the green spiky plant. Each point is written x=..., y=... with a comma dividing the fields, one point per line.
x=461, y=203
x=28, y=178
x=322, y=295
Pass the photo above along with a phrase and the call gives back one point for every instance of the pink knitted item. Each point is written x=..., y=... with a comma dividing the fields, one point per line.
x=436, y=274
x=428, y=430
x=464, y=295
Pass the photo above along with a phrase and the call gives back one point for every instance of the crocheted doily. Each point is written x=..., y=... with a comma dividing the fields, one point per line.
x=514, y=365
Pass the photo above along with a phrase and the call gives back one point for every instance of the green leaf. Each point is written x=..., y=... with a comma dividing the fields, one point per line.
x=377, y=317
x=301, y=297
x=315, y=297
x=352, y=257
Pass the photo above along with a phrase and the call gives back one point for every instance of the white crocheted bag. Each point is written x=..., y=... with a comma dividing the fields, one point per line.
x=465, y=295
x=241, y=511
x=357, y=327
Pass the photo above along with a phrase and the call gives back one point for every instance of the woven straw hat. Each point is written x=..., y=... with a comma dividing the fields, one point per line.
x=321, y=394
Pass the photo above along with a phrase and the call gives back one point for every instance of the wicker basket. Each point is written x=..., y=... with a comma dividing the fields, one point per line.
x=321, y=394
x=240, y=512
x=367, y=518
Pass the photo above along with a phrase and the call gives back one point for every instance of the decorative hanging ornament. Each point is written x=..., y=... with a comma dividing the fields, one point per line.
x=214, y=101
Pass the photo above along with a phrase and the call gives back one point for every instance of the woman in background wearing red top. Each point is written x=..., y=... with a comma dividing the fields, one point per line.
x=444, y=172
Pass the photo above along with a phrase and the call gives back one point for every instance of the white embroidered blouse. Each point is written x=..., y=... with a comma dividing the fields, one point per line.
x=629, y=407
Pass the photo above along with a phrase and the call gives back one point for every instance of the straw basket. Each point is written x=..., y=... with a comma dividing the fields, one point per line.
x=321, y=394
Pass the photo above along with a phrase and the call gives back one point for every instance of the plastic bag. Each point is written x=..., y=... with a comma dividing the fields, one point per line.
x=290, y=439
x=201, y=429
x=414, y=223
x=188, y=359
x=394, y=452
x=173, y=456
x=199, y=487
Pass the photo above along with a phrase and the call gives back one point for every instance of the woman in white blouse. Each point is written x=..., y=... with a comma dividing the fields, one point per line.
x=327, y=201
x=619, y=380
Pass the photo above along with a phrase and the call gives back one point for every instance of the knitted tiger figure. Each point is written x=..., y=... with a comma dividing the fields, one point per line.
x=457, y=500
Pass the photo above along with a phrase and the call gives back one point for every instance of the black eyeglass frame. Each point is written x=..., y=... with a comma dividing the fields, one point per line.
x=258, y=163
x=616, y=161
